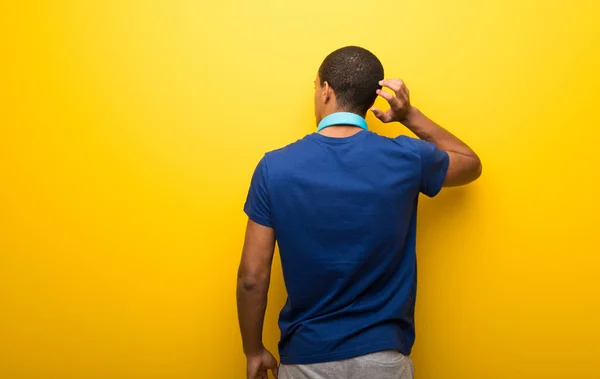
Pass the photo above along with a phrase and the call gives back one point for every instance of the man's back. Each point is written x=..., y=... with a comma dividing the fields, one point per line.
x=342, y=205
x=344, y=215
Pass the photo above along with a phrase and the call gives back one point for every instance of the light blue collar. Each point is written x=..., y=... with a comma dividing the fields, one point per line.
x=343, y=118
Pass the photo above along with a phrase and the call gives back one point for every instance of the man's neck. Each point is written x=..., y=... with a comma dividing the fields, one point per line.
x=340, y=131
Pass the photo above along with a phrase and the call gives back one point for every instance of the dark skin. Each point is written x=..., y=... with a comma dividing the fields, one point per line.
x=257, y=256
x=254, y=277
x=465, y=165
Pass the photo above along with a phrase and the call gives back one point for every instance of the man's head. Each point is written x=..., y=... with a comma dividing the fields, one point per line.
x=347, y=81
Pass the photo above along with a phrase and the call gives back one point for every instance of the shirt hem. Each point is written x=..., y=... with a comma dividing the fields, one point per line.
x=442, y=177
x=257, y=219
x=344, y=354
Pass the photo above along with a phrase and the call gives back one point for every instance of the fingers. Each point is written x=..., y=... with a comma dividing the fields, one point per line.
x=386, y=95
x=393, y=84
x=253, y=374
x=394, y=101
x=377, y=112
x=275, y=371
x=399, y=101
x=383, y=116
x=253, y=370
x=396, y=85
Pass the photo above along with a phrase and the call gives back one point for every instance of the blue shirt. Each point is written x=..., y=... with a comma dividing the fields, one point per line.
x=344, y=215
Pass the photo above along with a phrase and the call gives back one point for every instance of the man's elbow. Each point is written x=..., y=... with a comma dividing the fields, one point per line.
x=252, y=281
x=477, y=168
x=463, y=170
x=472, y=170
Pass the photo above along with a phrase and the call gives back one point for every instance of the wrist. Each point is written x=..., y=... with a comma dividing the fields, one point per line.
x=409, y=117
x=254, y=352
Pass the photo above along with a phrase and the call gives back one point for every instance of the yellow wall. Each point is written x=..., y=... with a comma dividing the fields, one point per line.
x=130, y=129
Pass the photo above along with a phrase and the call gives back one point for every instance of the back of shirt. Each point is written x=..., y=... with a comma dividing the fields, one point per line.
x=344, y=215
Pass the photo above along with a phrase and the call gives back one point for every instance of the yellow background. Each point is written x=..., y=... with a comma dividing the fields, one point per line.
x=130, y=130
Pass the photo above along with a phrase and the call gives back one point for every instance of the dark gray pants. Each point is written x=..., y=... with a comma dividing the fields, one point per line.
x=388, y=364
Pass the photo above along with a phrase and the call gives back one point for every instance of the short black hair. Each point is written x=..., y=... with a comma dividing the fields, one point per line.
x=354, y=74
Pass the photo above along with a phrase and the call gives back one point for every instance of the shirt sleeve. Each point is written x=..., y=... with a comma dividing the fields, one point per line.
x=434, y=166
x=257, y=205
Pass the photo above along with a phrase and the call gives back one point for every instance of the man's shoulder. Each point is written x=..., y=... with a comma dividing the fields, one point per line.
x=401, y=144
x=399, y=140
x=296, y=147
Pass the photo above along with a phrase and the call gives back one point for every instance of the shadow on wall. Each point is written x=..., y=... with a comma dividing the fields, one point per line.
x=436, y=217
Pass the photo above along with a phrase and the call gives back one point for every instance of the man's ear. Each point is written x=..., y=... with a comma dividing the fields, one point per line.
x=326, y=92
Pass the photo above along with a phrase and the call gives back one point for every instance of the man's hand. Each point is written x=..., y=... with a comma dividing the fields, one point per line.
x=464, y=166
x=258, y=365
x=399, y=104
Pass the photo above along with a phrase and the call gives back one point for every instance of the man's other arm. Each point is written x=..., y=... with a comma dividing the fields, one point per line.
x=254, y=277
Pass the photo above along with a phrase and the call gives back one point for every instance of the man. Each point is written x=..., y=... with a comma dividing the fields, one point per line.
x=341, y=204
